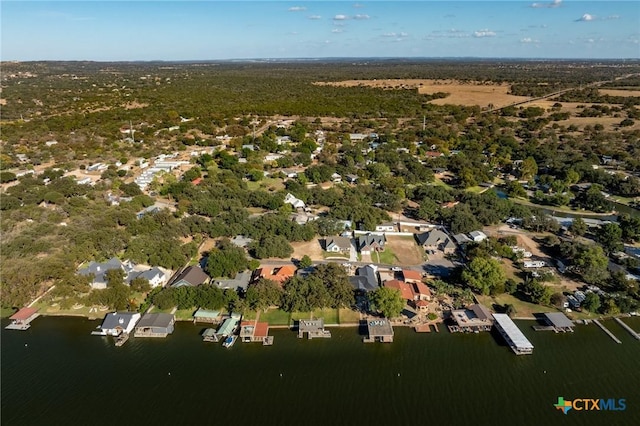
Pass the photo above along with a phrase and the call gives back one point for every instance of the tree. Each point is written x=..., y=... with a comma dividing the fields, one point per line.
x=591, y=302
x=226, y=260
x=609, y=236
x=630, y=227
x=591, y=262
x=271, y=246
x=529, y=168
x=305, y=262
x=336, y=280
x=484, y=275
x=387, y=301
x=578, y=227
x=140, y=284
x=264, y=294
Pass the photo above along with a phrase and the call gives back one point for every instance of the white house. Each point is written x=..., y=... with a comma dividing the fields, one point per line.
x=295, y=202
x=534, y=264
x=478, y=236
x=336, y=178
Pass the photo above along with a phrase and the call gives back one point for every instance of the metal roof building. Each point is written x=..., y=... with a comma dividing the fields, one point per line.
x=512, y=334
x=559, y=321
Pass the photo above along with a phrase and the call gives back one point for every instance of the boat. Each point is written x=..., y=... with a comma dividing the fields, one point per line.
x=229, y=341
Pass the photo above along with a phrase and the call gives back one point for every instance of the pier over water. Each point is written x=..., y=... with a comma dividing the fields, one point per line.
x=606, y=330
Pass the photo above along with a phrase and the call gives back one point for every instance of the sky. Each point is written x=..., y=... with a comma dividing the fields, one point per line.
x=217, y=30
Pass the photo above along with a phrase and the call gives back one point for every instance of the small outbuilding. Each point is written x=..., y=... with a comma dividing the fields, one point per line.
x=379, y=330
x=155, y=325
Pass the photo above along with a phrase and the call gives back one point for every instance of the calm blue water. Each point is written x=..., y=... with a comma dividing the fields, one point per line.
x=57, y=374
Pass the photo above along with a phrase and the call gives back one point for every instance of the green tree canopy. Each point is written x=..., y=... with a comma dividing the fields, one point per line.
x=484, y=275
x=387, y=301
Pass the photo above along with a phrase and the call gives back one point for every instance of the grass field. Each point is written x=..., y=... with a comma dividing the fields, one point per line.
x=329, y=315
x=348, y=316
x=6, y=312
x=276, y=317
x=523, y=309
x=271, y=184
x=404, y=249
x=386, y=257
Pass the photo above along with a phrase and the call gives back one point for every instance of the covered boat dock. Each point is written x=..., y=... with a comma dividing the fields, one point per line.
x=517, y=341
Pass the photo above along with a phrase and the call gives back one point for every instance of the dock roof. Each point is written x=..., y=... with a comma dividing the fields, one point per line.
x=512, y=331
x=228, y=326
x=157, y=319
x=204, y=313
x=379, y=327
x=558, y=319
x=23, y=314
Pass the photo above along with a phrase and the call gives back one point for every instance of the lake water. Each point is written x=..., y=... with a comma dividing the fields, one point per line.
x=56, y=373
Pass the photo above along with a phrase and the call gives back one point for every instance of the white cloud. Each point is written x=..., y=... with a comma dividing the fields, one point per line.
x=315, y=17
x=528, y=40
x=358, y=5
x=336, y=30
x=361, y=17
x=297, y=9
x=586, y=18
x=403, y=34
x=340, y=17
x=551, y=5
x=389, y=35
x=484, y=33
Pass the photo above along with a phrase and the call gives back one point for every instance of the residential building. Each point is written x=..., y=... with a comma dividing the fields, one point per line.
x=411, y=276
x=386, y=227
x=351, y=178
x=241, y=281
x=99, y=270
x=338, y=244
x=277, y=274
x=366, y=278
x=370, y=242
x=476, y=318
x=156, y=277
x=295, y=202
x=404, y=288
x=148, y=210
x=191, y=276
x=477, y=236
x=462, y=239
x=436, y=240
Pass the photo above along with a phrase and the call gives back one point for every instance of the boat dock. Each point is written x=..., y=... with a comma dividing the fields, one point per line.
x=21, y=320
x=122, y=339
x=517, y=341
x=606, y=330
x=626, y=327
x=544, y=328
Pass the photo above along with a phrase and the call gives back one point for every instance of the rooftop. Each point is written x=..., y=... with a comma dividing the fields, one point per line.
x=558, y=319
x=513, y=332
x=379, y=327
x=23, y=314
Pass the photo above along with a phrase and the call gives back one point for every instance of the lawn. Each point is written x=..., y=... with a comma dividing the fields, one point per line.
x=329, y=315
x=184, y=314
x=249, y=315
x=387, y=256
x=523, y=309
x=276, y=317
x=266, y=183
x=329, y=255
x=348, y=316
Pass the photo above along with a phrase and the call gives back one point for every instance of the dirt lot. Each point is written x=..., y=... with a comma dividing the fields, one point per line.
x=524, y=239
x=405, y=249
x=618, y=92
x=460, y=93
x=310, y=248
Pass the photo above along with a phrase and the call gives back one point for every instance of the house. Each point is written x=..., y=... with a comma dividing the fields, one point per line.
x=386, y=227
x=205, y=315
x=534, y=264
x=462, y=239
x=410, y=276
x=357, y=137
x=436, y=240
x=313, y=328
x=477, y=236
x=404, y=288
x=421, y=292
x=277, y=274
x=229, y=325
x=99, y=269
x=191, y=276
x=254, y=331
x=21, y=320
x=302, y=217
x=85, y=181
x=351, y=178
x=155, y=276
x=370, y=242
x=476, y=318
x=117, y=323
x=155, y=325
x=149, y=210
x=241, y=241
x=338, y=244
x=366, y=278
x=336, y=178
x=241, y=280
x=271, y=157
x=379, y=330
x=295, y=202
